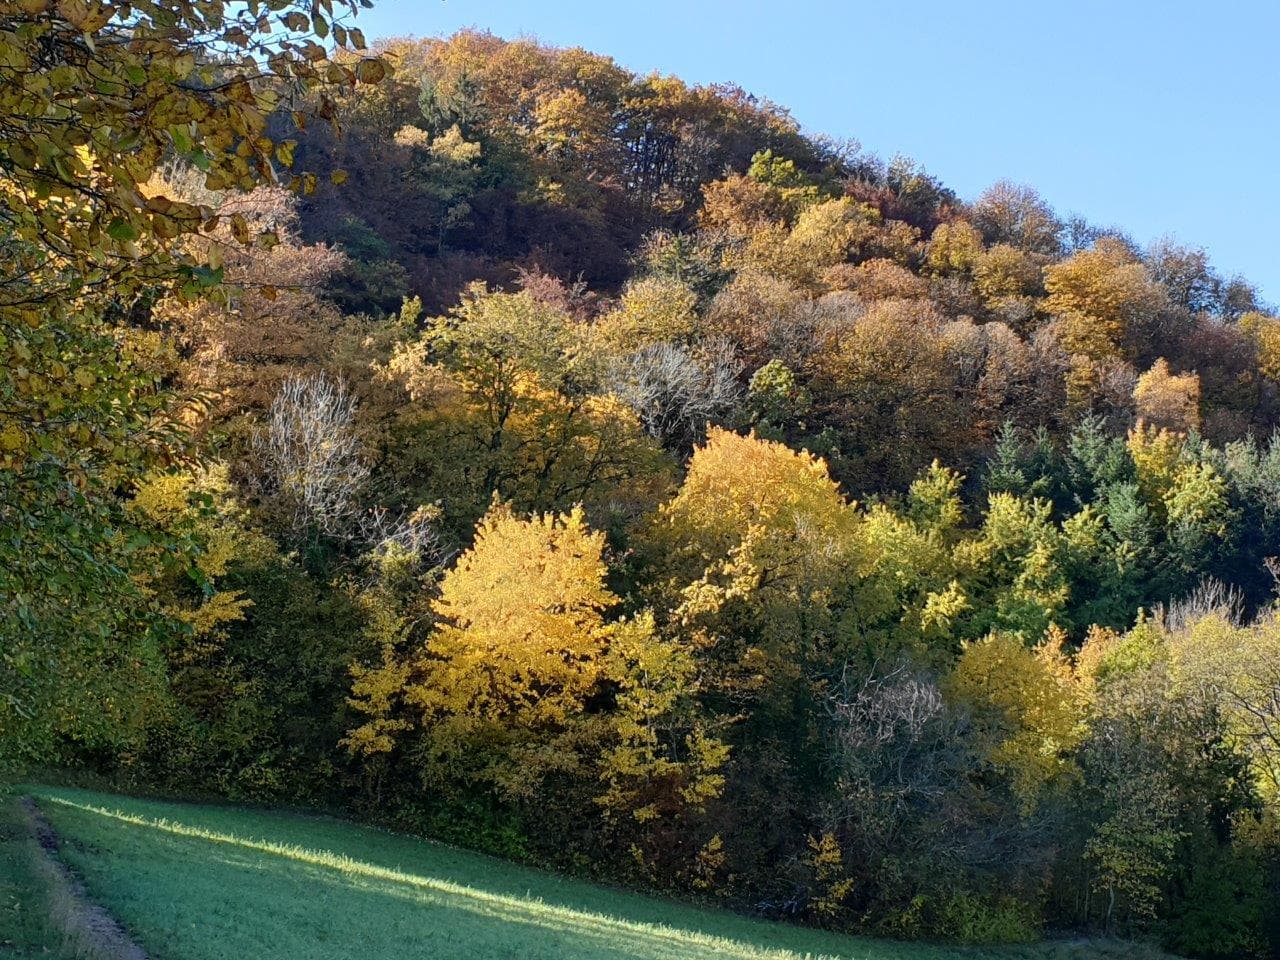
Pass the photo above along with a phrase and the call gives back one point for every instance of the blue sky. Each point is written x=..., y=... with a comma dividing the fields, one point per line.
x=1160, y=118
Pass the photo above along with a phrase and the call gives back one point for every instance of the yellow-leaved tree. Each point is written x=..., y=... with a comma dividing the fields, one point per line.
x=506, y=401
x=522, y=639
x=1167, y=400
x=651, y=311
x=1028, y=710
x=529, y=675
x=1105, y=299
x=757, y=543
x=780, y=576
x=1239, y=668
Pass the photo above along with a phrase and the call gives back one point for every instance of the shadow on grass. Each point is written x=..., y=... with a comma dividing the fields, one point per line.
x=204, y=883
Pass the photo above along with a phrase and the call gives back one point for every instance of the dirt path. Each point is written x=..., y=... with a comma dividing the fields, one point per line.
x=91, y=932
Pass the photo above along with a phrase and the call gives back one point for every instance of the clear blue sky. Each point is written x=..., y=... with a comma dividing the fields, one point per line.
x=1162, y=118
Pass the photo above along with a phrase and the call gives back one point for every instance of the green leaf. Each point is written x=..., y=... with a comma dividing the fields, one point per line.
x=123, y=230
x=207, y=276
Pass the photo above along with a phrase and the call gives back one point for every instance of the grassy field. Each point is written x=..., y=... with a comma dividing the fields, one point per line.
x=26, y=930
x=214, y=883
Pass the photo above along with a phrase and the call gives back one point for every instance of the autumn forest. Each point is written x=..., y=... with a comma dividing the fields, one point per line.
x=596, y=470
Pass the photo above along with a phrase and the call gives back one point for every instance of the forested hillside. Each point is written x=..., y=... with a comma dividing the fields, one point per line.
x=599, y=471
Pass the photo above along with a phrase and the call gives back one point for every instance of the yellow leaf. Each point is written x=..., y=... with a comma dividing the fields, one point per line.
x=11, y=438
x=371, y=71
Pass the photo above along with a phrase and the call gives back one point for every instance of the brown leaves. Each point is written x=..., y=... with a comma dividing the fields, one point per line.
x=239, y=91
x=348, y=37
x=84, y=15
x=239, y=228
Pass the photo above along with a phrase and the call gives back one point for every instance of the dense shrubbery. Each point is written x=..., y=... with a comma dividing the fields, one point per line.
x=740, y=516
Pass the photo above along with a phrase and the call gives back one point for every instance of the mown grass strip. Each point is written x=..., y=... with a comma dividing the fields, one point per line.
x=201, y=882
x=46, y=912
x=26, y=899
x=532, y=911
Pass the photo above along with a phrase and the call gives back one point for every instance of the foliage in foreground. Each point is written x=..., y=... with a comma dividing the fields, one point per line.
x=94, y=99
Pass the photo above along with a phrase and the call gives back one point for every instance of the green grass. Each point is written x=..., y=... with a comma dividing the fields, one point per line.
x=26, y=930
x=208, y=883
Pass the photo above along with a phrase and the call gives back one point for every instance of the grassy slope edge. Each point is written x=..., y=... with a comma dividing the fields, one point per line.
x=207, y=883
